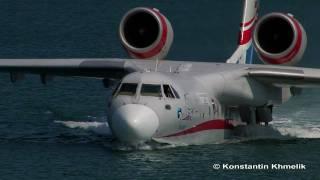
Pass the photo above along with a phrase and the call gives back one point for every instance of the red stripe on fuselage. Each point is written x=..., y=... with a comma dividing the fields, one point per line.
x=209, y=125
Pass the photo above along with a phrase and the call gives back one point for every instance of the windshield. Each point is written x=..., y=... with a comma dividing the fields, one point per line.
x=128, y=89
x=151, y=90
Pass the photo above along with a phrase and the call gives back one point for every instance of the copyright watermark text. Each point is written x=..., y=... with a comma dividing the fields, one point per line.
x=227, y=166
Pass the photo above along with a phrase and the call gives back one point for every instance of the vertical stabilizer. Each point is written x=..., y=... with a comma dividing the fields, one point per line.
x=244, y=52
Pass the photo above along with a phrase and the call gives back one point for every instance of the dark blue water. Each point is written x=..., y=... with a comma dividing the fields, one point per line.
x=58, y=131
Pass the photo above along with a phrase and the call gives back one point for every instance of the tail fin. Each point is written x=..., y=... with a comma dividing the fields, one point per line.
x=244, y=52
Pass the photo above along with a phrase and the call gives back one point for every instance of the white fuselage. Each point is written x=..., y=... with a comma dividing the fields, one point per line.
x=191, y=112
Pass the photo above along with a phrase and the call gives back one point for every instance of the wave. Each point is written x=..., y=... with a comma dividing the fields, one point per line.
x=261, y=132
x=101, y=128
x=300, y=132
x=298, y=124
x=150, y=146
x=282, y=128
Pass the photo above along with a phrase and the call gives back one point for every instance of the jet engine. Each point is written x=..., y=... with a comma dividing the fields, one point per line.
x=146, y=33
x=279, y=39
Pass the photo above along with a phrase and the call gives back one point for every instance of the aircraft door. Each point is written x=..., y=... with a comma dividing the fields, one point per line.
x=188, y=109
x=205, y=107
x=198, y=106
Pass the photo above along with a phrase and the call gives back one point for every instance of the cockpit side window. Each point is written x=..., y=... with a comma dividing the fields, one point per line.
x=175, y=93
x=115, y=89
x=167, y=91
x=151, y=90
x=128, y=89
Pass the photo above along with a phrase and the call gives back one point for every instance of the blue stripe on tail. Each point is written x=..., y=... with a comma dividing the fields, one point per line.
x=249, y=55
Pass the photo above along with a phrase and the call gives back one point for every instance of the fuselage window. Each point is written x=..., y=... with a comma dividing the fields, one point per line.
x=167, y=91
x=151, y=90
x=128, y=89
x=175, y=93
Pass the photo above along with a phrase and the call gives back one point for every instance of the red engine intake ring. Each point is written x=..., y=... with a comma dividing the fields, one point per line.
x=287, y=58
x=157, y=49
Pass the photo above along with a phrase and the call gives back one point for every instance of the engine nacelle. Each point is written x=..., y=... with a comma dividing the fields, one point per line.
x=145, y=33
x=279, y=39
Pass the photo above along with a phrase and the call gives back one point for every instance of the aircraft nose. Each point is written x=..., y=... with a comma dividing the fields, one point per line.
x=134, y=123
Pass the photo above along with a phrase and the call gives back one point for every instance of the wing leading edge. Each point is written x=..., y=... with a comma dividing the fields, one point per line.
x=286, y=76
x=99, y=68
x=117, y=68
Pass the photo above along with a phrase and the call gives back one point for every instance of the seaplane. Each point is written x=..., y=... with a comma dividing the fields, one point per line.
x=189, y=102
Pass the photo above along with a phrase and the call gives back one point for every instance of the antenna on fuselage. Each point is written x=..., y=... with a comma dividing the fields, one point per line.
x=157, y=62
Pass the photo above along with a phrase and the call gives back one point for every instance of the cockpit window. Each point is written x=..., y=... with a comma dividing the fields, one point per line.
x=115, y=89
x=128, y=89
x=151, y=90
x=175, y=93
x=167, y=91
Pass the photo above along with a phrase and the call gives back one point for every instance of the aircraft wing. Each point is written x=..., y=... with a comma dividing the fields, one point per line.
x=117, y=68
x=99, y=68
x=286, y=76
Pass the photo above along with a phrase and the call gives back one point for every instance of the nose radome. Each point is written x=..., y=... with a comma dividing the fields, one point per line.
x=134, y=123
